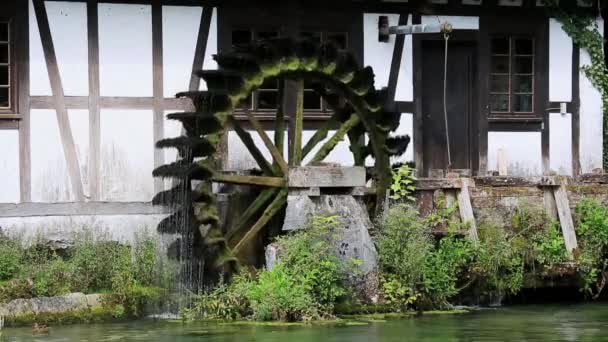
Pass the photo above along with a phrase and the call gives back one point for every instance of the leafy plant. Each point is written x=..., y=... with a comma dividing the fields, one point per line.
x=11, y=254
x=549, y=246
x=403, y=184
x=592, y=252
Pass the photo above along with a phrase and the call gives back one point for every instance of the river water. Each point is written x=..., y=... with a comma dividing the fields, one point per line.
x=588, y=322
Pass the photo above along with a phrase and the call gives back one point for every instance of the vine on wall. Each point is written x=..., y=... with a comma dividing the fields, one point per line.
x=585, y=33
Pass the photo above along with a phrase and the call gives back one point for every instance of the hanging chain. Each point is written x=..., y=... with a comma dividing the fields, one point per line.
x=446, y=28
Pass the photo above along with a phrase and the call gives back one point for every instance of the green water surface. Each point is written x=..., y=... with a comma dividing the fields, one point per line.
x=588, y=322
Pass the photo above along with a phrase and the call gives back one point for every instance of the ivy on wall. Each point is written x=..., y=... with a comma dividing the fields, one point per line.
x=584, y=32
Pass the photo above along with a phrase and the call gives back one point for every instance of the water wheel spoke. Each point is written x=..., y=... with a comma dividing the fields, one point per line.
x=279, y=123
x=297, y=125
x=319, y=135
x=251, y=147
x=273, y=182
x=256, y=206
x=268, y=214
x=335, y=139
x=276, y=154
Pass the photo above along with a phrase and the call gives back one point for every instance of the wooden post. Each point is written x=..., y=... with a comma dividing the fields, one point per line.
x=466, y=209
x=565, y=217
x=298, y=125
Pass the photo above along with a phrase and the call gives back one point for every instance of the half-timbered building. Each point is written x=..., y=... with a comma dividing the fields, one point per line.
x=85, y=86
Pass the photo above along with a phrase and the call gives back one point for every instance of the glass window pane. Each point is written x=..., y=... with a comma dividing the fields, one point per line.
x=4, y=80
x=524, y=46
x=499, y=84
x=241, y=37
x=312, y=100
x=267, y=99
x=4, y=98
x=4, y=32
x=500, y=46
x=338, y=38
x=522, y=103
x=125, y=50
x=267, y=35
x=4, y=58
x=522, y=84
x=500, y=64
x=523, y=65
x=499, y=103
x=314, y=36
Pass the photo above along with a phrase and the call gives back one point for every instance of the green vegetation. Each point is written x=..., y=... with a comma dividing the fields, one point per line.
x=129, y=277
x=592, y=254
x=305, y=284
x=403, y=184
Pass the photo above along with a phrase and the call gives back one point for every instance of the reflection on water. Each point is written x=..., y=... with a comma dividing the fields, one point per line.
x=587, y=322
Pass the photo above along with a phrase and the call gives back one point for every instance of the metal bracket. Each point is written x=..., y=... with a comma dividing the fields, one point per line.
x=384, y=30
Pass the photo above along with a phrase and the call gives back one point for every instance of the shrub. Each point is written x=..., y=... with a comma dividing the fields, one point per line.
x=403, y=184
x=11, y=255
x=53, y=278
x=592, y=254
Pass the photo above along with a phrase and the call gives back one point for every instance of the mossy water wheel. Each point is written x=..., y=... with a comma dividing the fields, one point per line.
x=347, y=88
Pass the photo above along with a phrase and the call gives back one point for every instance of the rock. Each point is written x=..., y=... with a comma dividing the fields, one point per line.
x=272, y=254
x=94, y=300
x=354, y=241
x=71, y=302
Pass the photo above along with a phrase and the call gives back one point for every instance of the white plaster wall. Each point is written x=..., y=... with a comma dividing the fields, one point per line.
x=9, y=166
x=523, y=151
x=127, y=155
x=341, y=154
x=458, y=22
x=180, y=32
x=209, y=63
x=123, y=228
x=39, y=77
x=405, y=84
x=406, y=127
x=171, y=129
x=560, y=143
x=591, y=122
x=377, y=54
x=68, y=24
x=239, y=157
x=49, y=175
x=560, y=63
x=125, y=50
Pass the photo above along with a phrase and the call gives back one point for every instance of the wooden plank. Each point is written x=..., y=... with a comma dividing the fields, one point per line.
x=80, y=209
x=271, y=210
x=279, y=124
x=201, y=47
x=157, y=87
x=276, y=154
x=466, y=210
x=326, y=176
x=549, y=203
x=67, y=139
x=499, y=181
x=565, y=218
x=93, y=101
x=437, y=183
x=575, y=104
x=275, y=182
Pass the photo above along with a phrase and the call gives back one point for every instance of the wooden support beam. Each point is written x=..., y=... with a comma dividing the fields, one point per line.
x=255, y=206
x=565, y=218
x=335, y=139
x=251, y=147
x=466, y=209
x=277, y=204
x=68, y=209
x=276, y=154
x=279, y=123
x=93, y=101
x=157, y=86
x=275, y=182
x=298, y=125
x=67, y=139
x=201, y=47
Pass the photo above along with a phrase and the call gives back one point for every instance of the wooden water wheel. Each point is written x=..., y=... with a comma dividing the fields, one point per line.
x=348, y=90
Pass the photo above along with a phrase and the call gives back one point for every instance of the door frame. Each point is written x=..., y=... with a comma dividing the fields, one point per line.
x=475, y=121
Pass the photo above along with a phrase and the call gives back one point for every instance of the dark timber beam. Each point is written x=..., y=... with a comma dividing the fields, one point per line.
x=157, y=86
x=67, y=139
x=23, y=70
x=201, y=47
x=393, y=76
x=93, y=101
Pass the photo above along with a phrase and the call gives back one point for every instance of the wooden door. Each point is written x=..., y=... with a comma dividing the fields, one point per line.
x=461, y=105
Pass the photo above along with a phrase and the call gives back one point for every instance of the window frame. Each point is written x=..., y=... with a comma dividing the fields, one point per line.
x=11, y=111
x=536, y=28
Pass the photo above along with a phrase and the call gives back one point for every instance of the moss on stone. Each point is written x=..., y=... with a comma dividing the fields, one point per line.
x=95, y=315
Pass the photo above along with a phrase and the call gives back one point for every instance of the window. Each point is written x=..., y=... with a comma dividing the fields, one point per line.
x=266, y=97
x=512, y=83
x=6, y=86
